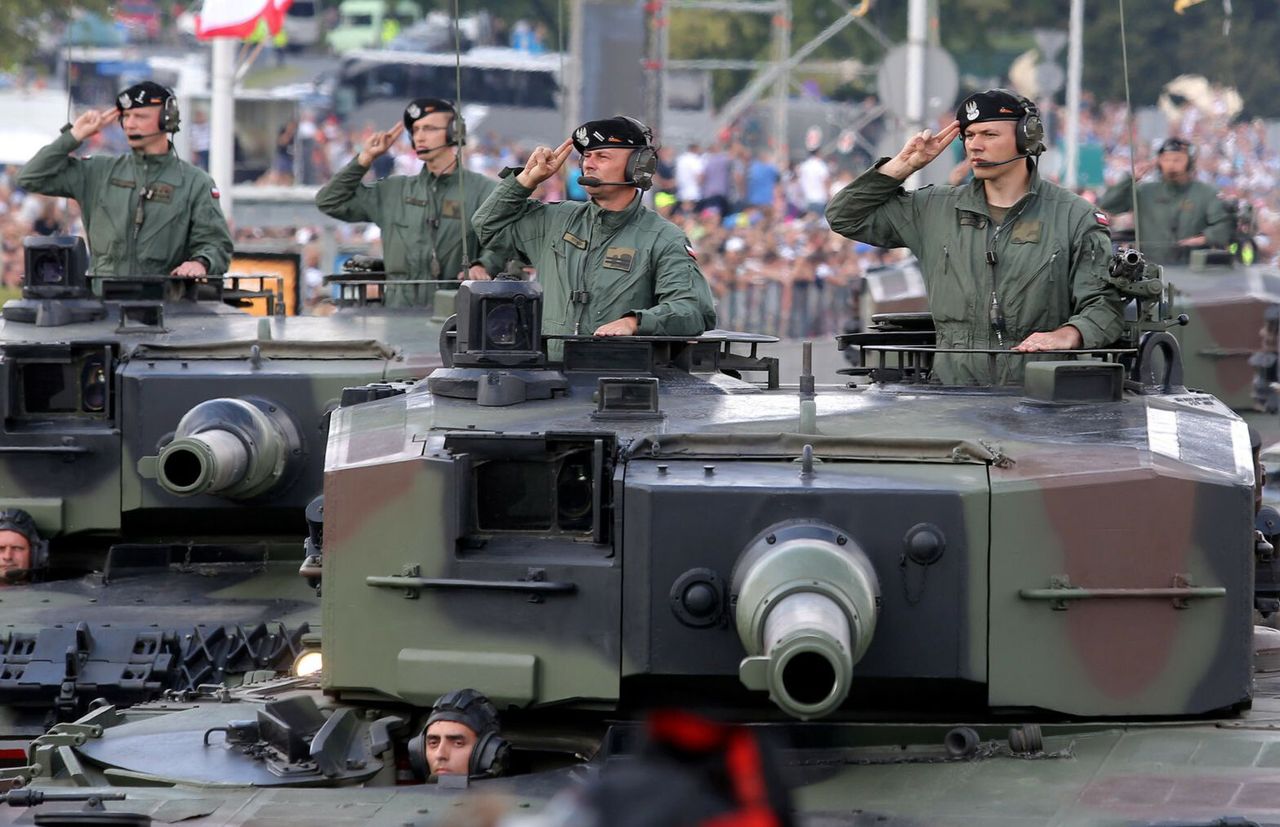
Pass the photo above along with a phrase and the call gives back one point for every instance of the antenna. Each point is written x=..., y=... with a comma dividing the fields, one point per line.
x=457, y=110
x=1128, y=114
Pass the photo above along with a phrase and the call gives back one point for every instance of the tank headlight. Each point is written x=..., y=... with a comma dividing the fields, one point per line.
x=308, y=663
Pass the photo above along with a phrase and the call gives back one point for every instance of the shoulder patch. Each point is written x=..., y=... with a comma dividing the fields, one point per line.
x=688, y=248
x=1102, y=219
x=215, y=193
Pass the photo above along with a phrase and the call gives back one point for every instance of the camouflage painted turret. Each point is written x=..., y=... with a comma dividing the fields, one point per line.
x=151, y=423
x=914, y=588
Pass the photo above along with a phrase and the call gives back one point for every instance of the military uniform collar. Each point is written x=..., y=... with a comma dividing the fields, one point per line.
x=613, y=219
x=973, y=198
x=155, y=158
x=426, y=174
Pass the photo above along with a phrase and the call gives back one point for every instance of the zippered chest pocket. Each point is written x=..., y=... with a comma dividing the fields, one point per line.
x=1036, y=297
x=949, y=293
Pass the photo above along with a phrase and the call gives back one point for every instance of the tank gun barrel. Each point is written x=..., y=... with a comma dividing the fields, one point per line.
x=806, y=613
x=209, y=462
x=229, y=447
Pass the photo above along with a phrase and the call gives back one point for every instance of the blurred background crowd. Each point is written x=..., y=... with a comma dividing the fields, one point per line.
x=753, y=215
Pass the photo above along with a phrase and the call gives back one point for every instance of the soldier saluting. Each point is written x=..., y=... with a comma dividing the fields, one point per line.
x=610, y=266
x=421, y=216
x=146, y=213
x=1177, y=213
x=1011, y=262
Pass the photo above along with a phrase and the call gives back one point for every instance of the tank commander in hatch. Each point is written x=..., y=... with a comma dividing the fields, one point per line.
x=461, y=737
x=23, y=553
x=147, y=213
x=425, y=218
x=1010, y=261
x=1177, y=213
x=610, y=266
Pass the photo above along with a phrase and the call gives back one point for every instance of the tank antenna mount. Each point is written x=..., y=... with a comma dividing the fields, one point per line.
x=808, y=405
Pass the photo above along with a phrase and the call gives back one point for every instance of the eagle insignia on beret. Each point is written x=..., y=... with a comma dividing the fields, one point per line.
x=415, y=111
x=124, y=101
x=581, y=135
x=971, y=110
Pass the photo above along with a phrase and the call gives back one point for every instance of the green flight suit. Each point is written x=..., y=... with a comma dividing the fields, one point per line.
x=421, y=225
x=1169, y=212
x=179, y=218
x=598, y=265
x=1050, y=256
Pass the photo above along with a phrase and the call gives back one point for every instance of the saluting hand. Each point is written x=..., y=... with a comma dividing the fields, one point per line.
x=920, y=150
x=379, y=143
x=543, y=163
x=90, y=123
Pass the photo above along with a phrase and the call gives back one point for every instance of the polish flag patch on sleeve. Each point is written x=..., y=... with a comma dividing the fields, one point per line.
x=1102, y=219
x=215, y=193
x=688, y=248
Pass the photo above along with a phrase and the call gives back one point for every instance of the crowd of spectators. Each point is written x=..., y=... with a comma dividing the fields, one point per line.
x=755, y=220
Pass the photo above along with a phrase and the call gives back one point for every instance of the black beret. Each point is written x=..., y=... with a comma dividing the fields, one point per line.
x=1175, y=145
x=147, y=93
x=991, y=105
x=425, y=106
x=618, y=131
x=467, y=707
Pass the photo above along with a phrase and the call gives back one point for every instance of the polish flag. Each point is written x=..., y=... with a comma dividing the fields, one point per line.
x=238, y=18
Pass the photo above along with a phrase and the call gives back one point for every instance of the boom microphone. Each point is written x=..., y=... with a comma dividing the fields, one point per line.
x=986, y=164
x=584, y=181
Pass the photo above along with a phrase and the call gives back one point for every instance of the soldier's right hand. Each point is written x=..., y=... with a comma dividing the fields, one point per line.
x=91, y=122
x=379, y=143
x=543, y=163
x=920, y=150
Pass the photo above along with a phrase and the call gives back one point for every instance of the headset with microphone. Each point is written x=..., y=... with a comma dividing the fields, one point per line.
x=1180, y=145
x=455, y=132
x=642, y=164
x=1028, y=131
x=142, y=95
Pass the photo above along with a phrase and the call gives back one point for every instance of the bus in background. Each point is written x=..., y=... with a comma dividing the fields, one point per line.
x=510, y=94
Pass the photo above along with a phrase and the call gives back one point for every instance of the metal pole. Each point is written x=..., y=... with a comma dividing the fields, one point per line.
x=1075, y=66
x=782, y=54
x=917, y=38
x=662, y=28
x=572, y=85
x=222, y=118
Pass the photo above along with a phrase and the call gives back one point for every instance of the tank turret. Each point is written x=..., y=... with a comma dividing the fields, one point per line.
x=909, y=586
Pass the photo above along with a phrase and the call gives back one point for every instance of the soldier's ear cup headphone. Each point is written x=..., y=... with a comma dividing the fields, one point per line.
x=15, y=519
x=170, y=117
x=455, y=134
x=489, y=756
x=1029, y=131
x=643, y=163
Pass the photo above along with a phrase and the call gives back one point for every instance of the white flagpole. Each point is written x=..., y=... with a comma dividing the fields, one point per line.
x=222, y=119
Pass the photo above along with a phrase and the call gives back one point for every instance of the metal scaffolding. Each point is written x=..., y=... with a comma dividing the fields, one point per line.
x=772, y=74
